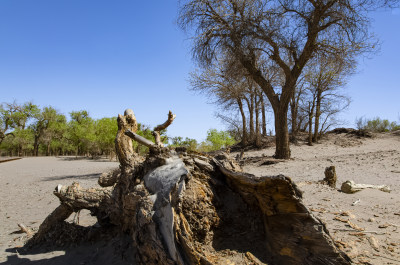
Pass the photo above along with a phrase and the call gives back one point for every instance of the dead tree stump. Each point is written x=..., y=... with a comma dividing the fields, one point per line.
x=330, y=176
x=180, y=207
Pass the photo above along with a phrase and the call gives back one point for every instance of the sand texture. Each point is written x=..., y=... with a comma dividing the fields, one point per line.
x=27, y=197
x=369, y=231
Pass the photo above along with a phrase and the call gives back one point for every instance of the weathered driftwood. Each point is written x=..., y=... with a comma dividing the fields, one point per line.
x=188, y=208
x=350, y=186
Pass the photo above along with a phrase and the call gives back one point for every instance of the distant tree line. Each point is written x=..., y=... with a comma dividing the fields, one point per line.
x=215, y=140
x=377, y=125
x=28, y=130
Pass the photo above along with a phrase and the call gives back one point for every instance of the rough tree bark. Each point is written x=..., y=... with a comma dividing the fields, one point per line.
x=123, y=144
x=282, y=134
x=264, y=120
x=244, y=122
x=317, y=115
x=178, y=207
x=257, y=110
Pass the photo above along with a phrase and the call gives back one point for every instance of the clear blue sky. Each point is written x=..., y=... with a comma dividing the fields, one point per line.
x=106, y=56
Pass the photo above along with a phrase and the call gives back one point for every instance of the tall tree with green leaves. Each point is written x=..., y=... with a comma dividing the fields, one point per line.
x=219, y=139
x=81, y=131
x=15, y=116
x=105, y=132
x=284, y=34
x=48, y=124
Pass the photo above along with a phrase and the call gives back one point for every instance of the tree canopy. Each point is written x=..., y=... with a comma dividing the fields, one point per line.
x=282, y=34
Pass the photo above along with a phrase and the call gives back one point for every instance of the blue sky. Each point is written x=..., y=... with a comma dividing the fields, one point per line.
x=106, y=56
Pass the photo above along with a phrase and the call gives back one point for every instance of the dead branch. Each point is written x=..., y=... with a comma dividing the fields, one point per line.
x=156, y=131
x=140, y=139
x=78, y=198
x=25, y=229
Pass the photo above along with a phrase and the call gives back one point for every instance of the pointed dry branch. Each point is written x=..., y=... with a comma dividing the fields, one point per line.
x=156, y=131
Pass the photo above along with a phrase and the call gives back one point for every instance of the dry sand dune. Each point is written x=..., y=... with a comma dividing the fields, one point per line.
x=368, y=231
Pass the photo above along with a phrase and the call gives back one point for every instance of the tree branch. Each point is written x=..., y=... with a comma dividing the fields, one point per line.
x=156, y=131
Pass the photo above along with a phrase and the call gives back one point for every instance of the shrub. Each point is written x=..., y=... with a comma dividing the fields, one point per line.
x=376, y=125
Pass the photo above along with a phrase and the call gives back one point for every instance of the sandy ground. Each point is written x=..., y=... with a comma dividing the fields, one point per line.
x=26, y=197
x=368, y=231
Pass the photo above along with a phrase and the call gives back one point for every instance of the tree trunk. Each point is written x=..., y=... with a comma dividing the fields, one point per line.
x=282, y=149
x=317, y=115
x=244, y=133
x=251, y=113
x=48, y=149
x=257, y=110
x=264, y=120
x=293, y=111
x=310, y=116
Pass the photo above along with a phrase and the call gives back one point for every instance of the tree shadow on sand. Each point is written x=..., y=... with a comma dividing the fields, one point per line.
x=84, y=158
x=83, y=245
x=74, y=177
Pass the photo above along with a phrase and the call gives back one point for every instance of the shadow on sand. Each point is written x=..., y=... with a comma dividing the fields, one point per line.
x=84, y=158
x=104, y=250
x=75, y=177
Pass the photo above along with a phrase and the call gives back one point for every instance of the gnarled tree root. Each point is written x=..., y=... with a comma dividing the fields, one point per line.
x=192, y=209
x=189, y=208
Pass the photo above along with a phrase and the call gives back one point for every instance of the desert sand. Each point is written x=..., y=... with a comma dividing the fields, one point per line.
x=27, y=197
x=364, y=224
x=369, y=230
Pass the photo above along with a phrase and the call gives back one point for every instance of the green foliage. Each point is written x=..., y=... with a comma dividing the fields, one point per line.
x=105, y=131
x=48, y=132
x=218, y=139
x=376, y=125
x=81, y=132
x=19, y=143
x=190, y=144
